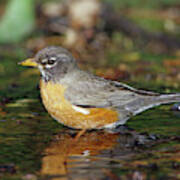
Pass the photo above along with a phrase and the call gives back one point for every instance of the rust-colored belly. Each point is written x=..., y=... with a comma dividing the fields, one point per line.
x=63, y=111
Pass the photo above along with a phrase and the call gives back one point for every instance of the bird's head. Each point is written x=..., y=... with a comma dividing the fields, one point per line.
x=53, y=62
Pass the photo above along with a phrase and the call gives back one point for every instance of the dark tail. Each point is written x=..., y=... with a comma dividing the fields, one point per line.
x=145, y=102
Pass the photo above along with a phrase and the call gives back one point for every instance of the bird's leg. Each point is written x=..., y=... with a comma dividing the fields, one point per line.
x=79, y=134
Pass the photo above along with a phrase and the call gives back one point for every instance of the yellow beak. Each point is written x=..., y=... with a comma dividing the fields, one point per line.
x=28, y=62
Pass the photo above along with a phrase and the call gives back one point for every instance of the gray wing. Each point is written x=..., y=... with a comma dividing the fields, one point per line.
x=92, y=91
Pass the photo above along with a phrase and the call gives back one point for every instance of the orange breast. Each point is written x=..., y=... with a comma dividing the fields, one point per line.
x=63, y=111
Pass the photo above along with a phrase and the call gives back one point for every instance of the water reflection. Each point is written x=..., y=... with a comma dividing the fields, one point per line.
x=91, y=157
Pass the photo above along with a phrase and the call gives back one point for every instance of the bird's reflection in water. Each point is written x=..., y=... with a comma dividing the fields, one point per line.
x=87, y=158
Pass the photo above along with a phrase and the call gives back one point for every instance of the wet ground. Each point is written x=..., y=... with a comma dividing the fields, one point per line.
x=34, y=146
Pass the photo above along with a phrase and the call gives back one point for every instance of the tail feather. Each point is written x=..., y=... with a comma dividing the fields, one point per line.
x=169, y=98
x=144, y=103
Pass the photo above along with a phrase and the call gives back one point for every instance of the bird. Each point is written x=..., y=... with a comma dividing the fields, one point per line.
x=81, y=100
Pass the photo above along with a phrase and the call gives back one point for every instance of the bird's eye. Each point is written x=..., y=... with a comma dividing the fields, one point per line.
x=51, y=61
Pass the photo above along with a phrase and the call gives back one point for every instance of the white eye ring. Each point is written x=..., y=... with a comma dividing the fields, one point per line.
x=53, y=58
x=50, y=61
x=48, y=66
x=44, y=61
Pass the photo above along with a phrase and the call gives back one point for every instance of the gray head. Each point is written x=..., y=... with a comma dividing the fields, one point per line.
x=54, y=62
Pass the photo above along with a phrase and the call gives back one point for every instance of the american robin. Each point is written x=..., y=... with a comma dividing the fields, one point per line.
x=81, y=100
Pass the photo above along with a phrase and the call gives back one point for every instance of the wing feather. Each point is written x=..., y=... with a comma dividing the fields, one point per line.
x=91, y=91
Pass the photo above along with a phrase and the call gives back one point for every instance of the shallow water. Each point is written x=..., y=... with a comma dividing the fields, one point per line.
x=34, y=146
